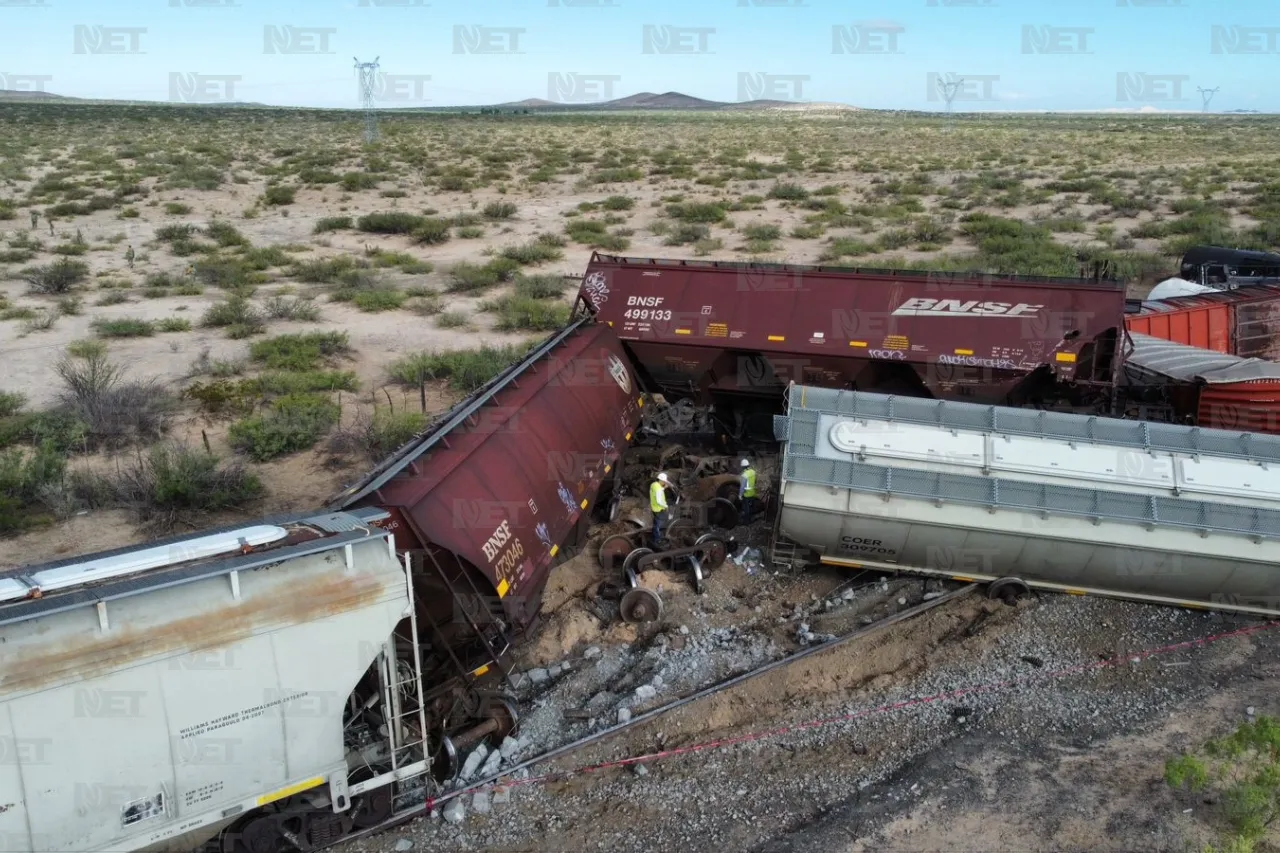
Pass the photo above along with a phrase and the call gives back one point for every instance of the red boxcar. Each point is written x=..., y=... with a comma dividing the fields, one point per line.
x=1243, y=322
x=506, y=478
x=718, y=331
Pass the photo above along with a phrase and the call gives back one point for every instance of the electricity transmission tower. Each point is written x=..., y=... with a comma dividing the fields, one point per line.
x=949, y=90
x=1206, y=95
x=368, y=72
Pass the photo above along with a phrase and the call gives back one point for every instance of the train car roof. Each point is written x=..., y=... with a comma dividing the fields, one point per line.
x=870, y=273
x=1187, y=363
x=1197, y=255
x=88, y=579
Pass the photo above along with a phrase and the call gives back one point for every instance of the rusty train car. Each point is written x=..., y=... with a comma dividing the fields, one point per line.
x=735, y=335
x=1243, y=322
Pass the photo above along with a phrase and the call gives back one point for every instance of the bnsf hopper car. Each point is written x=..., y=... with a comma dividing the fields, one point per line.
x=1163, y=513
x=486, y=499
x=735, y=334
x=1244, y=322
x=1211, y=389
x=242, y=680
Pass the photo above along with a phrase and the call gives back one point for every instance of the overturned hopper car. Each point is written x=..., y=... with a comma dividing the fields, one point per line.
x=1154, y=512
x=1196, y=386
x=736, y=334
x=487, y=499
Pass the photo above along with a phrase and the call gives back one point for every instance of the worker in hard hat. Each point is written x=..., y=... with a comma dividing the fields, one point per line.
x=658, y=504
x=747, y=492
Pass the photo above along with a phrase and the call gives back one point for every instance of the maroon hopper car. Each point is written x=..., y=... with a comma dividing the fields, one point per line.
x=492, y=494
x=735, y=334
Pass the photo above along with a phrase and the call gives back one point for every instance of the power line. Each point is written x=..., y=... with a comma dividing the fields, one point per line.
x=949, y=89
x=368, y=72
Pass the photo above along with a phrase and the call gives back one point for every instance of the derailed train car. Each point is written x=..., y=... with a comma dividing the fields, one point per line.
x=1163, y=513
x=153, y=697
x=734, y=334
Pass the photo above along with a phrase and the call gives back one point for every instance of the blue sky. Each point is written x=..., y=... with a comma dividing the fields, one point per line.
x=878, y=55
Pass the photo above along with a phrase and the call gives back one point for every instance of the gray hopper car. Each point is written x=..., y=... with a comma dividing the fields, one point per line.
x=1024, y=499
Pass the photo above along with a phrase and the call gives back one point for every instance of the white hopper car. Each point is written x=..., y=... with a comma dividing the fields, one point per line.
x=152, y=699
x=1024, y=499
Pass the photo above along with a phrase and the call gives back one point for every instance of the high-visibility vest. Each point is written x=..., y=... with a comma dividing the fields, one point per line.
x=657, y=497
x=750, y=476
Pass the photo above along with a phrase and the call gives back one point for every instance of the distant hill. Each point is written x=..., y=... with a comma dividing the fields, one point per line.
x=664, y=101
x=21, y=95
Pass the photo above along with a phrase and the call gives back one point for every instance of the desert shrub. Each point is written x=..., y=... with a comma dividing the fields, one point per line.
x=114, y=411
x=618, y=202
x=696, y=212
x=87, y=348
x=332, y=223
x=686, y=233
x=176, y=208
x=274, y=383
x=453, y=184
x=525, y=313
x=123, y=327
x=322, y=270
x=471, y=278
x=56, y=278
x=175, y=233
x=761, y=231
x=844, y=247
x=788, y=192
x=11, y=402
x=499, y=210
x=302, y=352
x=174, y=484
x=431, y=232
x=355, y=181
x=392, y=222
x=464, y=370
x=225, y=234
x=291, y=424
x=226, y=273
x=299, y=309
x=237, y=315
x=378, y=435
x=29, y=480
x=533, y=252
x=453, y=320
x=173, y=324
x=540, y=286
x=470, y=232
x=279, y=195
x=378, y=299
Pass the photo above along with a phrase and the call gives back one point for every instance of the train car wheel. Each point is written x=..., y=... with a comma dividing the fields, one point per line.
x=682, y=533
x=722, y=513
x=1008, y=590
x=614, y=550
x=372, y=808
x=633, y=559
x=714, y=550
x=262, y=834
x=444, y=762
x=640, y=605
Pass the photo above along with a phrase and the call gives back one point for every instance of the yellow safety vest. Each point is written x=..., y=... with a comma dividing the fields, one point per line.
x=750, y=476
x=657, y=497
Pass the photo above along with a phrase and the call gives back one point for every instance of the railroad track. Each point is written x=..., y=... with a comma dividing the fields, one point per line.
x=596, y=737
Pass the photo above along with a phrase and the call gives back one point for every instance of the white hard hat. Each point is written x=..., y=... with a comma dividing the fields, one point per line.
x=663, y=477
x=746, y=464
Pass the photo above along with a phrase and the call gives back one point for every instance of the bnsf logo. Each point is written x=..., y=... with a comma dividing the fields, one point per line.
x=952, y=307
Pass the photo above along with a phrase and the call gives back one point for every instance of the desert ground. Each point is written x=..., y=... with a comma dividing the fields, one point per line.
x=212, y=314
